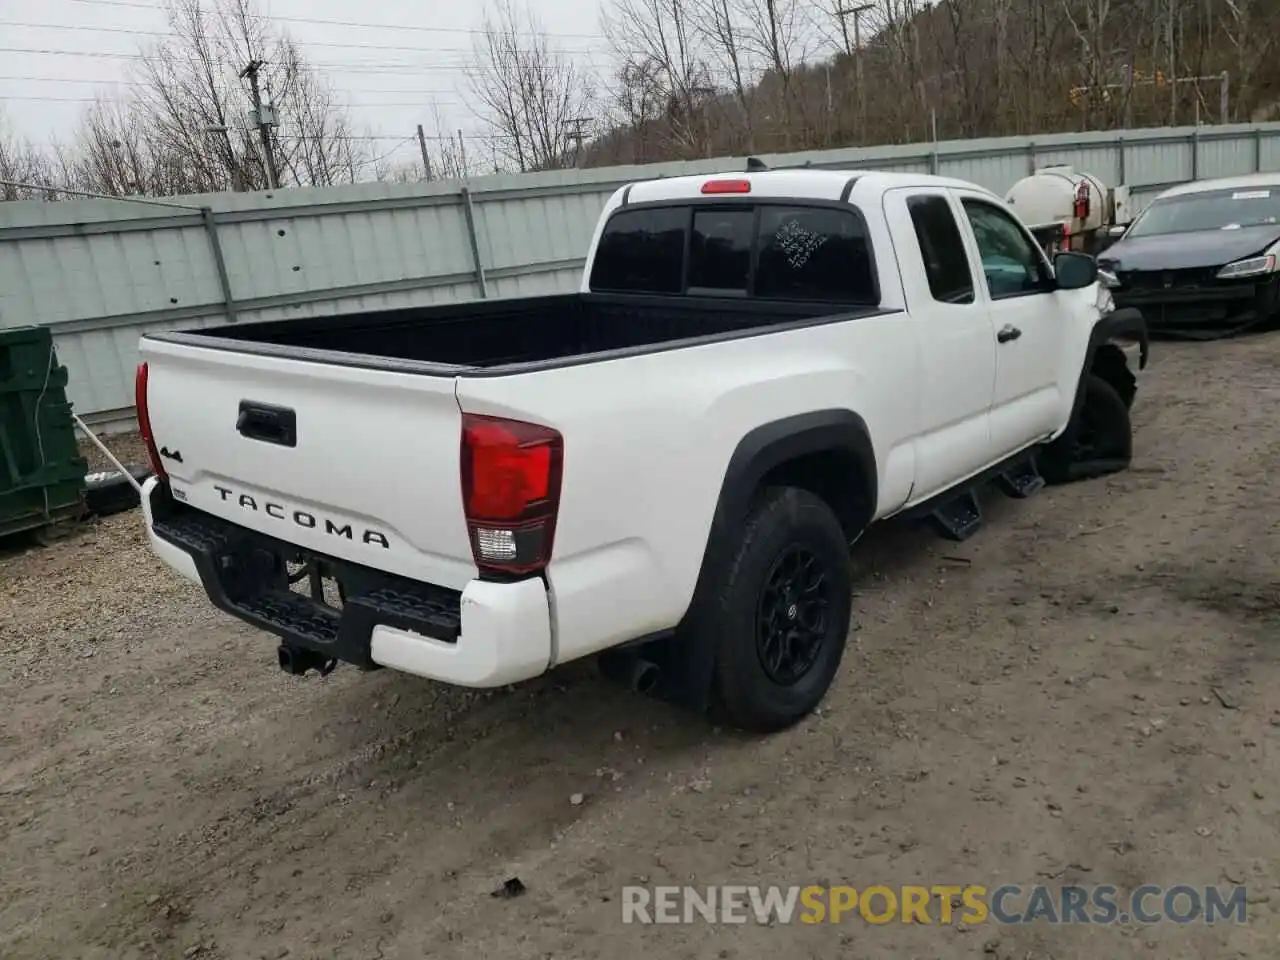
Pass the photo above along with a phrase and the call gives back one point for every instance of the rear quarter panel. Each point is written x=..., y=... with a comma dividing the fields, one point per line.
x=647, y=442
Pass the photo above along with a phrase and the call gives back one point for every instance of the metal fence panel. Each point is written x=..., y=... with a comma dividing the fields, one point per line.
x=102, y=272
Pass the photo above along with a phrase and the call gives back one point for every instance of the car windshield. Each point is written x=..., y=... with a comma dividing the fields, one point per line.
x=1219, y=210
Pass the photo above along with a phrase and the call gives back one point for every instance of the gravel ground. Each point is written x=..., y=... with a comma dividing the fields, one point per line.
x=1086, y=692
x=127, y=447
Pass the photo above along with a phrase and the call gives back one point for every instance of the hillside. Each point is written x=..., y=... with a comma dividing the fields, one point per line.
x=979, y=68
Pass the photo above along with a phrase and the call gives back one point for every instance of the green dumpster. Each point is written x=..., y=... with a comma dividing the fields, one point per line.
x=41, y=470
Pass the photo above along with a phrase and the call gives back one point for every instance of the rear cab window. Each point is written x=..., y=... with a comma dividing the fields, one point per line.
x=814, y=253
x=764, y=250
x=720, y=252
x=641, y=251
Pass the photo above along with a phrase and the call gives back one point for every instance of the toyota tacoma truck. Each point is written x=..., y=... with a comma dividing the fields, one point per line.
x=667, y=469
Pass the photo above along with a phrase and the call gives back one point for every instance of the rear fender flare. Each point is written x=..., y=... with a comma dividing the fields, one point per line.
x=762, y=450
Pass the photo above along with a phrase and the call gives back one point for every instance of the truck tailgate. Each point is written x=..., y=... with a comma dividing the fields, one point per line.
x=353, y=463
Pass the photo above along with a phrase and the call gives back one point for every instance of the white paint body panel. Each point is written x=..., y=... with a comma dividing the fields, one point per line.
x=181, y=563
x=377, y=451
x=505, y=638
x=648, y=438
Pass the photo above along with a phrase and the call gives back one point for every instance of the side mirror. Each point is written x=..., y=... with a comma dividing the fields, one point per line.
x=1075, y=271
x=1117, y=231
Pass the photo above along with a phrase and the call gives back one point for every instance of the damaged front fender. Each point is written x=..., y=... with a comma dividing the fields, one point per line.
x=1123, y=328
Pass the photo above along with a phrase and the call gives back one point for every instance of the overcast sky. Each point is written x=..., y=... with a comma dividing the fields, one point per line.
x=405, y=55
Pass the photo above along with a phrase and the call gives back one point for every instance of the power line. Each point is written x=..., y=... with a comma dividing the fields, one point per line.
x=344, y=23
x=169, y=35
x=379, y=159
x=371, y=67
x=142, y=83
x=374, y=137
x=130, y=83
x=47, y=99
x=50, y=99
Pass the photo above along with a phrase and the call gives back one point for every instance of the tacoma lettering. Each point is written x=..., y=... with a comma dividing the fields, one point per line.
x=308, y=521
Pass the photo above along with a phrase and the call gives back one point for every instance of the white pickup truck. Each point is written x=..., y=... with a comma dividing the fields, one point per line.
x=667, y=468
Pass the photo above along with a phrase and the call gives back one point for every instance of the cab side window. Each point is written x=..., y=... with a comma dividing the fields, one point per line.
x=941, y=247
x=1011, y=262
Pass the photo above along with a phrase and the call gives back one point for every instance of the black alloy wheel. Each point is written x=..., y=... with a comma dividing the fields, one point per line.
x=791, y=621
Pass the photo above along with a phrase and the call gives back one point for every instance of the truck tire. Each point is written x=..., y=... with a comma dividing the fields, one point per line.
x=782, y=613
x=1098, y=441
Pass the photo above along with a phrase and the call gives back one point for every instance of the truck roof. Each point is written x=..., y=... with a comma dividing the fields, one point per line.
x=856, y=185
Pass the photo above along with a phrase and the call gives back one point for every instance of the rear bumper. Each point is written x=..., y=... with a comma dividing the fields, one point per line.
x=488, y=635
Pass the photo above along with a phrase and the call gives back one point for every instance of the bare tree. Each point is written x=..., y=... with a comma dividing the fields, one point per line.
x=690, y=78
x=446, y=154
x=533, y=97
x=1249, y=28
x=1089, y=24
x=664, y=65
x=778, y=33
x=187, y=128
x=115, y=154
x=22, y=163
x=721, y=25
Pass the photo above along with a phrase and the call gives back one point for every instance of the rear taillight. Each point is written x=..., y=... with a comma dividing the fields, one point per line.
x=144, y=421
x=510, y=492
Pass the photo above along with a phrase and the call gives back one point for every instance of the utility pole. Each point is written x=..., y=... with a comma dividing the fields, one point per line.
x=1128, y=96
x=426, y=157
x=576, y=136
x=262, y=121
x=857, y=12
x=1173, y=65
x=830, y=107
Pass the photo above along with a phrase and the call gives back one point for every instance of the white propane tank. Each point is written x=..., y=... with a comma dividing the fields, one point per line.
x=1061, y=194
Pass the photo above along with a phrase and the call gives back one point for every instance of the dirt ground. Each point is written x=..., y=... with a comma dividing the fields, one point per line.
x=1086, y=692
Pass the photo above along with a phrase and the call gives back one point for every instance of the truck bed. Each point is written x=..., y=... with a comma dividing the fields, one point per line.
x=519, y=331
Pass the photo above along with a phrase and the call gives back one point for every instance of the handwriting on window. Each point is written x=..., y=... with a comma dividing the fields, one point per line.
x=798, y=244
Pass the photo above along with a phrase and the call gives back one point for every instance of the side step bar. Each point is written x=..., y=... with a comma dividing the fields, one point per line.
x=960, y=517
x=1022, y=480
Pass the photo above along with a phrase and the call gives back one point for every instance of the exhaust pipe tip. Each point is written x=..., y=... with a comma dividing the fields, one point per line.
x=644, y=676
x=629, y=670
x=296, y=661
x=293, y=662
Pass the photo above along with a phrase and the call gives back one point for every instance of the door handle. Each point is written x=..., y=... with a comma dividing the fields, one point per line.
x=1008, y=332
x=270, y=424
